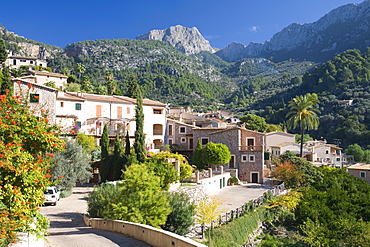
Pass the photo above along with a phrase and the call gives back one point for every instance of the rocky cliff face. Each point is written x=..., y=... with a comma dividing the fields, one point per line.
x=26, y=47
x=343, y=28
x=187, y=40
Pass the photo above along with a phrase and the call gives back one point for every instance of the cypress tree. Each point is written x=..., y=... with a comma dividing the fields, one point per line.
x=117, y=158
x=3, y=52
x=127, y=145
x=139, y=144
x=105, y=163
x=197, y=156
x=105, y=143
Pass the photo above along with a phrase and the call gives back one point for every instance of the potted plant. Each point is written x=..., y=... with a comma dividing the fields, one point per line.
x=233, y=180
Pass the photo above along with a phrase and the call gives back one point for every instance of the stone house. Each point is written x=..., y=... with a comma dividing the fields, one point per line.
x=39, y=97
x=246, y=146
x=360, y=170
x=246, y=149
x=90, y=112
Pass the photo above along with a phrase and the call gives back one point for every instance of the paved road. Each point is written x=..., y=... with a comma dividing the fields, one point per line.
x=233, y=197
x=67, y=228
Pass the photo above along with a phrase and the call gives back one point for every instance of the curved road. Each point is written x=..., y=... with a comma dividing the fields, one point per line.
x=68, y=229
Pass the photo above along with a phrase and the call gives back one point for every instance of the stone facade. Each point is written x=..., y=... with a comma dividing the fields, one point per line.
x=39, y=97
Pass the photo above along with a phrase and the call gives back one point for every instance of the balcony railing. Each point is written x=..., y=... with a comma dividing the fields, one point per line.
x=251, y=148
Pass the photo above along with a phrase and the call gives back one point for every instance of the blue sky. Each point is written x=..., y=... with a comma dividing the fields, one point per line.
x=221, y=22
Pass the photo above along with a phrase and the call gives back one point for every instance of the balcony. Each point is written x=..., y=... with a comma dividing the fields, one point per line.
x=251, y=148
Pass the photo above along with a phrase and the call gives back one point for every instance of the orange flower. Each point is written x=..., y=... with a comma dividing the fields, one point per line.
x=51, y=155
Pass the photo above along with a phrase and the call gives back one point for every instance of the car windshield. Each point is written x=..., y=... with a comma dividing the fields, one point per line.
x=48, y=192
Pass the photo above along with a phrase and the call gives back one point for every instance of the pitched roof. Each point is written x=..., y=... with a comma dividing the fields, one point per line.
x=236, y=128
x=47, y=73
x=279, y=133
x=15, y=80
x=284, y=144
x=107, y=98
x=359, y=166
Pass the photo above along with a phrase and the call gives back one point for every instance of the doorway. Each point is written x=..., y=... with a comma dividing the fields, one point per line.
x=254, y=177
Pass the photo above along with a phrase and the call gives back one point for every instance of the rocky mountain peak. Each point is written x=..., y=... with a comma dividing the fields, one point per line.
x=343, y=28
x=186, y=40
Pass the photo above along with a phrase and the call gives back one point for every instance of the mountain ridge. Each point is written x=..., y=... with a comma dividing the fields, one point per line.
x=313, y=37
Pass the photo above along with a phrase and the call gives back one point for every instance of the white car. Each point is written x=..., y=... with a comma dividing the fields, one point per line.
x=52, y=195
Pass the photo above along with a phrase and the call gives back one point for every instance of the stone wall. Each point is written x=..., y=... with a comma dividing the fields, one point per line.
x=150, y=235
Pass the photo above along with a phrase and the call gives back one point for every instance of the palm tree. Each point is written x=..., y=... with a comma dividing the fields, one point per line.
x=80, y=69
x=303, y=112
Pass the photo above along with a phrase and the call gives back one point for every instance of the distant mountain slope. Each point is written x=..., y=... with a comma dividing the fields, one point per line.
x=165, y=73
x=346, y=27
x=187, y=40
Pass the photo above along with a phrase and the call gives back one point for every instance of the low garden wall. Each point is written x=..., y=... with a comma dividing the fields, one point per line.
x=150, y=235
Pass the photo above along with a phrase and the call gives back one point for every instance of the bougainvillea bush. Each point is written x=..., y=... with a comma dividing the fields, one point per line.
x=27, y=144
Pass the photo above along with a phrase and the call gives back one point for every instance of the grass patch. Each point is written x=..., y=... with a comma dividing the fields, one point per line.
x=235, y=233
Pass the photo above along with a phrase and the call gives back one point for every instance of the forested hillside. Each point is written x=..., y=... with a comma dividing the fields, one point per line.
x=343, y=78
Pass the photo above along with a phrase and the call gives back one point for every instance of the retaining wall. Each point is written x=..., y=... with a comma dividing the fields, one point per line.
x=150, y=235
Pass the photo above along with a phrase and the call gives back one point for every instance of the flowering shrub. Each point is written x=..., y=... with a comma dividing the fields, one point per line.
x=27, y=142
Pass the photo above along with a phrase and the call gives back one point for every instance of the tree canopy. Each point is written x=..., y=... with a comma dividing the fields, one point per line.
x=214, y=154
x=303, y=112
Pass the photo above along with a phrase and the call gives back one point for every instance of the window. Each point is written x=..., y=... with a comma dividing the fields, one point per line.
x=251, y=158
x=119, y=112
x=78, y=123
x=182, y=130
x=128, y=110
x=34, y=98
x=61, y=104
x=327, y=151
x=170, y=141
x=78, y=106
x=183, y=139
x=363, y=174
x=338, y=159
x=204, y=140
x=157, y=111
x=157, y=129
x=244, y=158
x=250, y=141
x=170, y=130
x=98, y=110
